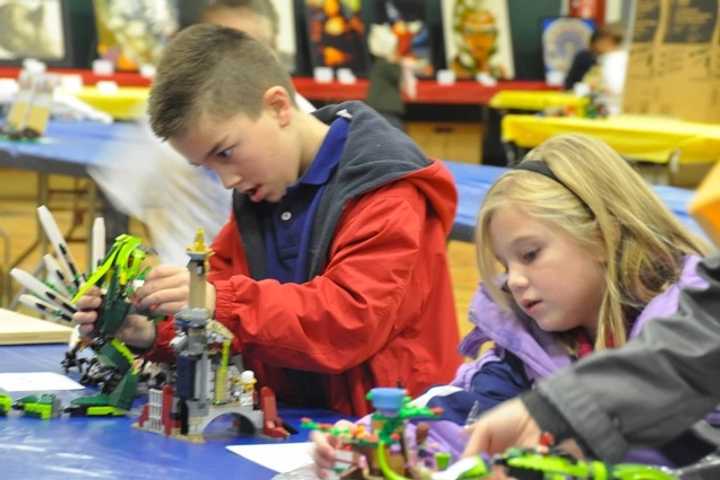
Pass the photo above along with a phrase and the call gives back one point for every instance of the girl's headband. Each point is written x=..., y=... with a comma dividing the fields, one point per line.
x=538, y=166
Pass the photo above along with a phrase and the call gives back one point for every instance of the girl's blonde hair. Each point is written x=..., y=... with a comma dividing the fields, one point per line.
x=609, y=210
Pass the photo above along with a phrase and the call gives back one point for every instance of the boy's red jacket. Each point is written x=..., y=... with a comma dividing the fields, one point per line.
x=380, y=313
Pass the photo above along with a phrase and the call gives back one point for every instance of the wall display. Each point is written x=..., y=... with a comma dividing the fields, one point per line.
x=132, y=33
x=336, y=34
x=285, y=34
x=477, y=38
x=36, y=29
x=562, y=38
x=406, y=19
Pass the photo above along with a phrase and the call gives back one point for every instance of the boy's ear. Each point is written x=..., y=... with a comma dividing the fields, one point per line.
x=280, y=104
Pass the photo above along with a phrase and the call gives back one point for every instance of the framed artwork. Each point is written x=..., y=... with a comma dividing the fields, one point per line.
x=562, y=38
x=38, y=29
x=336, y=35
x=132, y=33
x=406, y=19
x=478, y=38
x=285, y=41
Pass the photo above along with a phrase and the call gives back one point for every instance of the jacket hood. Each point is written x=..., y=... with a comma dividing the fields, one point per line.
x=376, y=153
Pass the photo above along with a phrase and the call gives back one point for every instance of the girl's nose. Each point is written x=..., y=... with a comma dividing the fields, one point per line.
x=516, y=279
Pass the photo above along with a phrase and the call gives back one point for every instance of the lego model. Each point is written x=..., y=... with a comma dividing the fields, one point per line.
x=383, y=450
x=386, y=451
x=117, y=274
x=29, y=113
x=206, y=382
x=45, y=406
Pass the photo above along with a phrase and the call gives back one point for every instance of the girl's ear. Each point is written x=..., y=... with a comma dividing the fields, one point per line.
x=278, y=101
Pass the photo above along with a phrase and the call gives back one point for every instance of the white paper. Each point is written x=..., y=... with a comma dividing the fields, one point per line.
x=36, y=382
x=281, y=457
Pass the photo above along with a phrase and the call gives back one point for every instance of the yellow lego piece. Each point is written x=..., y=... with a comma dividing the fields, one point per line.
x=705, y=207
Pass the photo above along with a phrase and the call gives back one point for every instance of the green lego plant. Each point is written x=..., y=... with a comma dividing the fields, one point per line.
x=116, y=276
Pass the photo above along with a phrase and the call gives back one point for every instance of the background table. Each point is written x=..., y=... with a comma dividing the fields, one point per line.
x=536, y=100
x=646, y=138
x=473, y=182
x=110, y=448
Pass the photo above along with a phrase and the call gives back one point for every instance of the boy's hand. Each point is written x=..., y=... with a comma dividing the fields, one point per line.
x=166, y=290
x=136, y=331
x=87, y=306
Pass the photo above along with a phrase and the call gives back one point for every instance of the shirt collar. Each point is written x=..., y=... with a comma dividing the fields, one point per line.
x=328, y=155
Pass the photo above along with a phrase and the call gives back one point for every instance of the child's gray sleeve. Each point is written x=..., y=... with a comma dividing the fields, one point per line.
x=648, y=391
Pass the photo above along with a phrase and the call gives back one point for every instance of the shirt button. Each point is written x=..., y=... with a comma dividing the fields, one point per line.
x=285, y=216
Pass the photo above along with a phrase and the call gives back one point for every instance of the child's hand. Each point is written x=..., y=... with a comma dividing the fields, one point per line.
x=507, y=425
x=166, y=290
x=325, y=449
x=136, y=330
x=87, y=306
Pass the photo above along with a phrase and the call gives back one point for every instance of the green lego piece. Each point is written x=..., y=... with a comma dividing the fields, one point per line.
x=5, y=403
x=105, y=411
x=45, y=406
x=442, y=460
x=632, y=471
x=561, y=466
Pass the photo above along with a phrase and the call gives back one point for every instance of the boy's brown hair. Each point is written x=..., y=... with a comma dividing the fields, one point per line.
x=212, y=70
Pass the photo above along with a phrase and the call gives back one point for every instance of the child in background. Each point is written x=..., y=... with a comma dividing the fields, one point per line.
x=332, y=271
x=390, y=76
x=604, y=40
x=576, y=254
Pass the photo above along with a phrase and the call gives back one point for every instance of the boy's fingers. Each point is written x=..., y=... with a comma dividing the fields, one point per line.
x=163, y=271
x=88, y=302
x=158, y=285
x=84, y=317
x=165, y=299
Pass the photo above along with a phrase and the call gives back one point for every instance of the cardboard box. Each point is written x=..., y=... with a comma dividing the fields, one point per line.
x=687, y=87
x=674, y=64
x=640, y=92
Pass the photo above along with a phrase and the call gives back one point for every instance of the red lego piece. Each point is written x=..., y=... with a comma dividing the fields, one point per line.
x=272, y=424
x=144, y=415
x=167, y=402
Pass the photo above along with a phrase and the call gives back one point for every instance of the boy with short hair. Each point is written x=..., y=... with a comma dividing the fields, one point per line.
x=332, y=272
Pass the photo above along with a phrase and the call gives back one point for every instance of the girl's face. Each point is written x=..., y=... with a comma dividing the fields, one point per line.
x=552, y=278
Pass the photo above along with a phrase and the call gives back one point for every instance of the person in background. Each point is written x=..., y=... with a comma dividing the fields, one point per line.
x=604, y=40
x=644, y=394
x=390, y=76
x=332, y=272
x=156, y=185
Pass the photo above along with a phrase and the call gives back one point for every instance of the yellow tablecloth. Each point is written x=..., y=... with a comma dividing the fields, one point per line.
x=127, y=103
x=646, y=138
x=535, y=100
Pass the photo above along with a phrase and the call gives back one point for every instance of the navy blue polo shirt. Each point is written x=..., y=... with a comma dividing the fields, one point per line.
x=287, y=225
